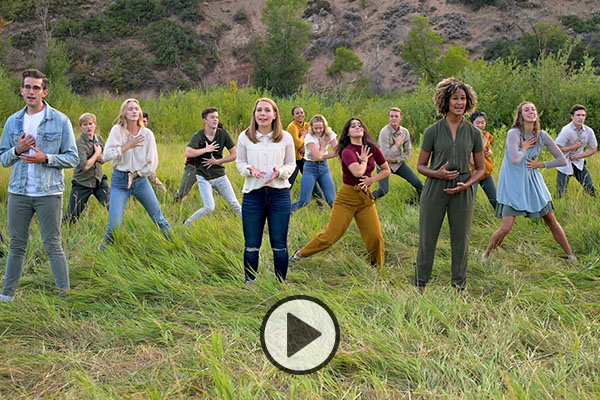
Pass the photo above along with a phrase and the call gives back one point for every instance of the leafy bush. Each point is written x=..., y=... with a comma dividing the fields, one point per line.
x=104, y=29
x=500, y=48
x=477, y=4
x=135, y=12
x=128, y=69
x=187, y=10
x=345, y=61
x=240, y=16
x=25, y=39
x=543, y=40
x=579, y=24
x=173, y=46
x=68, y=28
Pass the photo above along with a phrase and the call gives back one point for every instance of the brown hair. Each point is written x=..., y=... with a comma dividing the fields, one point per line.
x=207, y=111
x=446, y=88
x=275, y=125
x=578, y=107
x=519, y=123
x=34, y=73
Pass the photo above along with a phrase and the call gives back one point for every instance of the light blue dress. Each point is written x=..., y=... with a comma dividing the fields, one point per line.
x=525, y=191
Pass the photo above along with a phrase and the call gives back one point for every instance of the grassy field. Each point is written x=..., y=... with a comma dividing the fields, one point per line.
x=160, y=320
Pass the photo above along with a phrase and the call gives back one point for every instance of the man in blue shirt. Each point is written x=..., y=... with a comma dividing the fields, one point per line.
x=38, y=142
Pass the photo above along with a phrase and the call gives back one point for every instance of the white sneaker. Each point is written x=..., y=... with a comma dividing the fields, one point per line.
x=296, y=256
x=6, y=298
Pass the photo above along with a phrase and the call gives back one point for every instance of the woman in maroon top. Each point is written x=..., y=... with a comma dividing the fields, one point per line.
x=358, y=153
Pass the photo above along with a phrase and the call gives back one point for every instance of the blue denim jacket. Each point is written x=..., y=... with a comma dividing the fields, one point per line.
x=55, y=138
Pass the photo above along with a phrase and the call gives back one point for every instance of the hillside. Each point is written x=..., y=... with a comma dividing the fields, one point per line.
x=152, y=45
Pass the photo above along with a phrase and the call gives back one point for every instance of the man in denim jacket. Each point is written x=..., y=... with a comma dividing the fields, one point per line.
x=39, y=143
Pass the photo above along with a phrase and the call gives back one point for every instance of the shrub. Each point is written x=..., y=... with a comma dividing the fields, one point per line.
x=24, y=40
x=240, y=16
x=68, y=28
x=579, y=24
x=187, y=10
x=128, y=69
x=345, y=61
x=135, y=12
x=104, y=29
x=173, y=45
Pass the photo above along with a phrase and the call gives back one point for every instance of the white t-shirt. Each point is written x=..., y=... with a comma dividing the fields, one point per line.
x=31, y=123
x=310, y=138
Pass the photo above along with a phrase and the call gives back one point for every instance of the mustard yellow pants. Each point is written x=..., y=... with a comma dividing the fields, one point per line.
x=351, y=202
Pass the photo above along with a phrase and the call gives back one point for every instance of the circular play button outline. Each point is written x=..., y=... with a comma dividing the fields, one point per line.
x=300, y=334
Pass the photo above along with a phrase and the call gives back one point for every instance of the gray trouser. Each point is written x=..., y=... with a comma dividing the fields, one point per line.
x=583, y=176
x=20, y=212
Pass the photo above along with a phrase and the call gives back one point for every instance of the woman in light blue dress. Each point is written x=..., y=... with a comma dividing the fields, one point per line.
x=521, y=187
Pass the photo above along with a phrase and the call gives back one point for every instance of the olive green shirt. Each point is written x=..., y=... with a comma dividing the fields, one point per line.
x=85, y=149
x=437, y=139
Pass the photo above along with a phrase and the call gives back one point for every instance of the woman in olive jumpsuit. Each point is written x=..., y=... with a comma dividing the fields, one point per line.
x=444, y=159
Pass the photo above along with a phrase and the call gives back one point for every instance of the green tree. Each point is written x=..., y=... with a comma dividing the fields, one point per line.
x=422, y=49
x=543, y=40
x=455, y=60
x=345, y=61
x=278, y=62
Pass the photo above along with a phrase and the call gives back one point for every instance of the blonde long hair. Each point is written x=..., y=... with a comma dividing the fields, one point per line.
x=319, y=118
x=122, y=120
x=275, y=125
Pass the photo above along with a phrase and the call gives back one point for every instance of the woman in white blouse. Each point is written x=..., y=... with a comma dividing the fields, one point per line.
x=132, y=149
x=266, y=159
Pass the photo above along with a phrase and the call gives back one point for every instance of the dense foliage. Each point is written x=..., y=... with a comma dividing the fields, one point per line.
x=279, y=65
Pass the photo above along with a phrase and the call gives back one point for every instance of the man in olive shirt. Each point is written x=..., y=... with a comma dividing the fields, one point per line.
x=207, y=147
x=88, y=178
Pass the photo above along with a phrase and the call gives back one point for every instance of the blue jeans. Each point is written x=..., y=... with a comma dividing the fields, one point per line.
x=403, y=171
x=223, y=186
x=317, y=194
x=141, y=190
x=489, y=187
x=315, y=171
x=273, y=205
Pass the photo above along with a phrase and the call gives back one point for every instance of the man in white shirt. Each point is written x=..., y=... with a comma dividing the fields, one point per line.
x=573, y=139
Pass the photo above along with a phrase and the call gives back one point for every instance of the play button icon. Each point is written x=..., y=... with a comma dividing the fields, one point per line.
x=300, y=334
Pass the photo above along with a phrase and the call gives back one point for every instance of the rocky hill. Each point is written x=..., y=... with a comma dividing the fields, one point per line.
x=159, y=45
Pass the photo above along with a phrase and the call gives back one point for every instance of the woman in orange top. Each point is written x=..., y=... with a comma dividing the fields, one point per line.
x=479, y=119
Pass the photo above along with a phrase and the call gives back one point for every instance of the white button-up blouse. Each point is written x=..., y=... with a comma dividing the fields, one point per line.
x=264, y=156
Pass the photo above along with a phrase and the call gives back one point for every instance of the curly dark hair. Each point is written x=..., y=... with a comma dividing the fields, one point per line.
x=446, y=88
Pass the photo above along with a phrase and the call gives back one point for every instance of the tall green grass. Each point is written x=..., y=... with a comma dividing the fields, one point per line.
x=154, y=319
